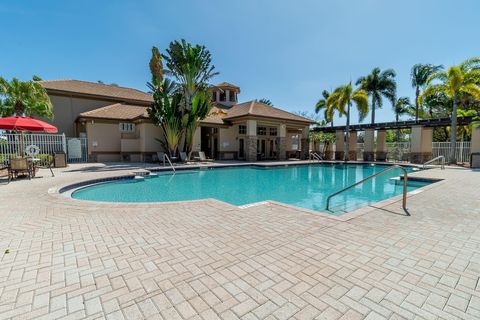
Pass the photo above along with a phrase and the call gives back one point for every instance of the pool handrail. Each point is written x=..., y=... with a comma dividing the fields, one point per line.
x=315, y=156
x=170, y=162
x=442, y=163
x=405, y=179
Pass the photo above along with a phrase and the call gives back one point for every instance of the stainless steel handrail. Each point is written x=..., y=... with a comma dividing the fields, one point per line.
x=405, y=178
x=170, y=162
x=442, y=164
x=316, y=156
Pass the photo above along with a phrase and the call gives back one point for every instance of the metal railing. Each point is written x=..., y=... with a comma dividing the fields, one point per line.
x=315, y=156
x=442, y=163
x=165, y=157
x=405, y=179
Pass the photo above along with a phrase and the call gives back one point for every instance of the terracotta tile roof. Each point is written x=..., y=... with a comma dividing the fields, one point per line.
x=227, y=84
x=255, y=108
x=216, y=116
x=97, y=89
x=117, y=111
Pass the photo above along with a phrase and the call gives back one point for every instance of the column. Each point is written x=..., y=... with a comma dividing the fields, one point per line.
x=475, y=146
x=304, y=145
x=196, y=145
x=381, y=154
x=328, y=151
x=352, y=145
x=227, y=95
x=339, y=145
x=282, y=142
x=218, y=96
x=421, y=144
x=368, y=147
x=251, y=141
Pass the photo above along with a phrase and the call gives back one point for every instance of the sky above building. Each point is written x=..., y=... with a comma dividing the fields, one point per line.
x=285, y=51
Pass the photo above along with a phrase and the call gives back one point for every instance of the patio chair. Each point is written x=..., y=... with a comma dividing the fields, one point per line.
x=201, y=157
x=19, y=166
x=183, y=157
x=160, y=156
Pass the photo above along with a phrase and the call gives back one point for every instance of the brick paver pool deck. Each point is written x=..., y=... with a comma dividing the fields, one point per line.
x=209, y=260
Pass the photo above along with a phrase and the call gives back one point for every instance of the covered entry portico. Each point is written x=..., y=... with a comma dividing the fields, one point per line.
x=253, y=131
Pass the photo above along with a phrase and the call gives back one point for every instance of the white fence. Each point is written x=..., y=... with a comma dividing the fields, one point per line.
x=400, y=151
x=14, y=144
x=462, y=151
x=76, y=150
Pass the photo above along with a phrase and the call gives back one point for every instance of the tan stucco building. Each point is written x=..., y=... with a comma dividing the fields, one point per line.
x=115, y=122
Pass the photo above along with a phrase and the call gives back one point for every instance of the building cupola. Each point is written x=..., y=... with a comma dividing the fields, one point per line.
x=225, y=94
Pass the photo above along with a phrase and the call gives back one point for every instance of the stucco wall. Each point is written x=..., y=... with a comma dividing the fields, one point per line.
x=107, y=136
x=148, y=135
x=67, y=109
x=227, y=138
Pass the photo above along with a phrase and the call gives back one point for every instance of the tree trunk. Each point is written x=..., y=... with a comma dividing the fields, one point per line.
x=417, y=94
x=19, y=109
x=346, y=156
x=373, y=109
x=453, y=133
x=397, y=118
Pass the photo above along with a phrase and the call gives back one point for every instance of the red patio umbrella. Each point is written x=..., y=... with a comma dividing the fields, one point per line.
x=26, y=124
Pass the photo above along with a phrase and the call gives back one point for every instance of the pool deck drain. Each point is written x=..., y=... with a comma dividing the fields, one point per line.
x=209, y=260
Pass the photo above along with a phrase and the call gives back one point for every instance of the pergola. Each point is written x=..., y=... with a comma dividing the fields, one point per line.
x=420, y=144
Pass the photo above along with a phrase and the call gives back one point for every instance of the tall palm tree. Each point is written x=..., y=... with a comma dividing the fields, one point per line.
x=401, y=106
x=24, y=98
x=379, y=84
x=165, y=111
x=322, y=104
x=191, y=66
x=457, y=83
x=266, y=101
x=419, y=75
x=342, y=99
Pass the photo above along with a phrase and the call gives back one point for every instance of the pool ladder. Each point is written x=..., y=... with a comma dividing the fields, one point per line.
x=165, y=157
x=395, y=166
x=315, y=156
x=442, y=163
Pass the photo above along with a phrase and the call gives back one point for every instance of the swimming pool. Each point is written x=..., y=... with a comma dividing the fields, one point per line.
x=306, y=186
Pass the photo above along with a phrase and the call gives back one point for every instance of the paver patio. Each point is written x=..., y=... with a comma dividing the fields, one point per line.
x=210, y=260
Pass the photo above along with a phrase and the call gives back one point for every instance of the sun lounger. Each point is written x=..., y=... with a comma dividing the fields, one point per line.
x=183, y=157
x=201, y=157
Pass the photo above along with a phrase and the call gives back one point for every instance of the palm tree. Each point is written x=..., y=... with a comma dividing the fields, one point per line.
x=342, y=99
x=266, y=101
x=419, y=75
x=401, y=106
x=329, y=110
x=457, y=83
x=192, y=68
x=24, y=98
x=165, y=111
x=379, y=84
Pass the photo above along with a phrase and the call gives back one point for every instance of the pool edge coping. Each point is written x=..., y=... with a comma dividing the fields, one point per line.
x=65, y=191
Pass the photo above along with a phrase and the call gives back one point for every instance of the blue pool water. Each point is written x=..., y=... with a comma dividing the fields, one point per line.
x=306, y=186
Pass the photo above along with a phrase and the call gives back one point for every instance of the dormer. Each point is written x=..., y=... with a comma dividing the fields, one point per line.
x=225, y=94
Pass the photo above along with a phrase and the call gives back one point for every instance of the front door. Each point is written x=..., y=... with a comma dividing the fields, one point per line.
x=261, y=149
x=241, y=148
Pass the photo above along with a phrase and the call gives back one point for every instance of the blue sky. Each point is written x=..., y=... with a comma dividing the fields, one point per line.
x=286, y=51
